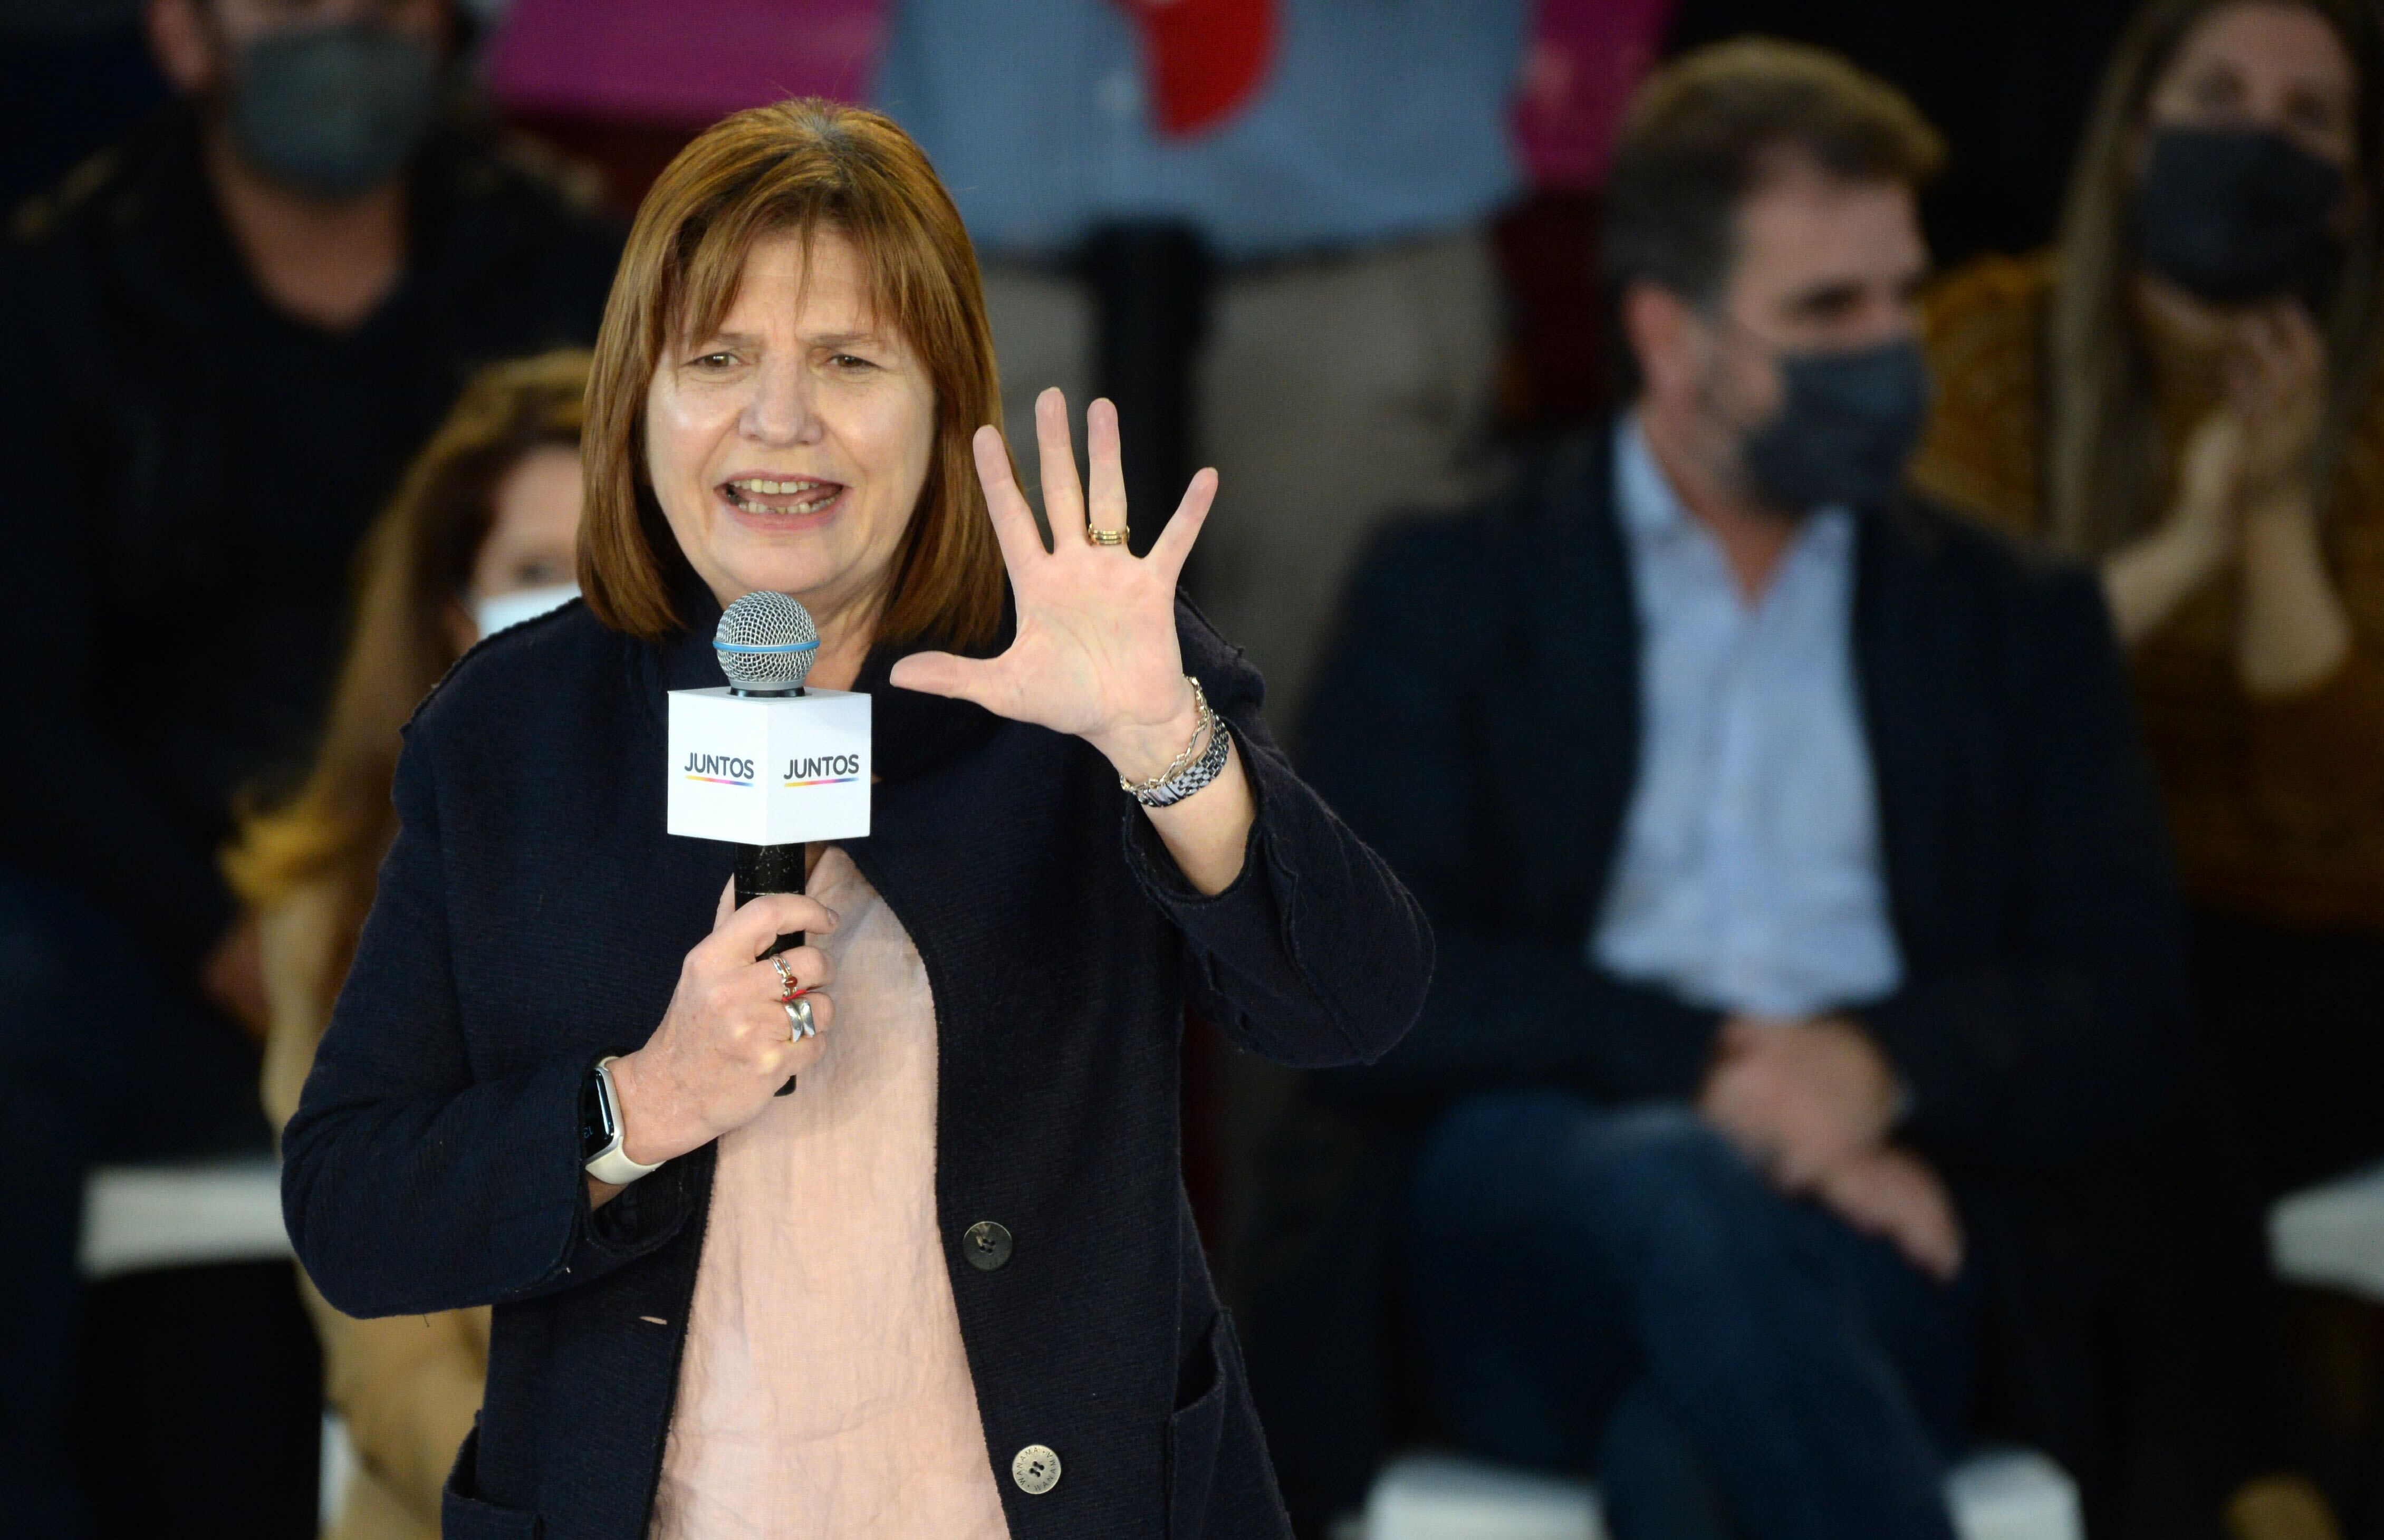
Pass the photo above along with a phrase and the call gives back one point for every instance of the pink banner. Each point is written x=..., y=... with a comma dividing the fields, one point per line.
x=1585, y=60
x=680, y=62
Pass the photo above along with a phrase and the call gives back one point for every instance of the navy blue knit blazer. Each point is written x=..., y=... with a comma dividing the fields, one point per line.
x=532, y=917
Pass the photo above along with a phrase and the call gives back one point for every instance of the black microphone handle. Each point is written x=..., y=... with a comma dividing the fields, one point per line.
x=771, y=869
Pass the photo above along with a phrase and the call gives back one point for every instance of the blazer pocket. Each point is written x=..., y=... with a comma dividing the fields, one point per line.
x=1194, y=1432
x=462, y=1513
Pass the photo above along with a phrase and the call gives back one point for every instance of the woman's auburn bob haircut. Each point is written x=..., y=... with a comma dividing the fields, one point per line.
x=800, y=166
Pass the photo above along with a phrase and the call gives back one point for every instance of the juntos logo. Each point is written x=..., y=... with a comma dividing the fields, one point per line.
x=822, y=770
x=720, y=769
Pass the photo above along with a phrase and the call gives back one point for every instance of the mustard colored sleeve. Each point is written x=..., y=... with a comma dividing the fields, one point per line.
x=2317, y=759
x=409, y=1386
x=293, y=940
x=1982, y=327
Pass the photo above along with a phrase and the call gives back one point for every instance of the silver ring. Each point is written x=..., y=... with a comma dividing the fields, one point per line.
x=798, y=1019
x=787, y=988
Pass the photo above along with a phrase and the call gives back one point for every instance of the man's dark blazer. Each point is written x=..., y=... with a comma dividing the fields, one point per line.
x=1479, y=723
x=533, y=916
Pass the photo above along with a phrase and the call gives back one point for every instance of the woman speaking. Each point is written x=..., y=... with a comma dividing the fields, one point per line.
x=950, y=1286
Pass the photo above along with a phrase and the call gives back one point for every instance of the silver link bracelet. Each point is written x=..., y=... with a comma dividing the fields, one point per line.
x=1199, y=763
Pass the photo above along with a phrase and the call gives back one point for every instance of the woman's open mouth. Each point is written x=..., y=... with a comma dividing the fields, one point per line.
x=796, y=497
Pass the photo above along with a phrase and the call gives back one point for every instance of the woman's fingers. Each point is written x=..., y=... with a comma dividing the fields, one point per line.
x=823, y=1012
x=2295, y=328
x=1013, y=521
x=2304, y=350
x=1108, y=461
x=2260, y=358
x=809, y=966
x=2282, y=353
x=746, y=931
x=1063, y=500
x=1173, y=547
x=978, y=680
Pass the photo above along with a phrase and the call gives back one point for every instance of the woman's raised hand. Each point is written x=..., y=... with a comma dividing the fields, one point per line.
x=2276, y=386
x=1095, y=653
x=725, y=1045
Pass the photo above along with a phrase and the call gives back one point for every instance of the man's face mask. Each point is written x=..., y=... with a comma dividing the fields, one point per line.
x=2234, y=216
x=1847, y=425
x=334, y=110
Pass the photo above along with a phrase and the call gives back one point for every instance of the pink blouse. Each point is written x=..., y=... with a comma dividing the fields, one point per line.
x=824, y=1391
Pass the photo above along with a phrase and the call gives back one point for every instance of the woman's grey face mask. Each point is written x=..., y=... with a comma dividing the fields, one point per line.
x=337, y=110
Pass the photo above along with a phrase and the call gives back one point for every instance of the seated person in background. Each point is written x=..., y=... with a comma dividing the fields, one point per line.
x=1793, y=864
x=481, y=536
x=2184, y=392
x=224, y=338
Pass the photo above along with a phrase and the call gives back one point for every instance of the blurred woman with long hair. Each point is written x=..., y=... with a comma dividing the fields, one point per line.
x=2184, y=392
x=481, y=536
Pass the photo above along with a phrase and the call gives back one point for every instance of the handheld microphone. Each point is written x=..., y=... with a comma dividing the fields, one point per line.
x=766, y=763
x=766, y=643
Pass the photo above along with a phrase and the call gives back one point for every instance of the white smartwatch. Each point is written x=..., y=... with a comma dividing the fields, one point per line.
x=600, y=1131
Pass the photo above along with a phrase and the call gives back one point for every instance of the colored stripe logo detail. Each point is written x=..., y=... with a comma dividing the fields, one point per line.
x=719, y=780
x=832, y=780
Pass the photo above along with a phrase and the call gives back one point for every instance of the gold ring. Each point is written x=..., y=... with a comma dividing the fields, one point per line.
x=1104, y=537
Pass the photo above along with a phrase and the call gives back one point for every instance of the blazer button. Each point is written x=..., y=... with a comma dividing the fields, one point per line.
x=1035, y=1469
x=987, y=1246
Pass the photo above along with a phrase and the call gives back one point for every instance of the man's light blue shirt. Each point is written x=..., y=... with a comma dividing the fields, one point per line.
x=1377, y=121
x=1749, y=877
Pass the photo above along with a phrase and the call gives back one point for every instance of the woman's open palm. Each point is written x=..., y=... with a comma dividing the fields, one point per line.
x=1096, y=653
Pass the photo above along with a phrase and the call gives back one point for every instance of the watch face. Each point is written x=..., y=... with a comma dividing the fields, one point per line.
x=595, y=1117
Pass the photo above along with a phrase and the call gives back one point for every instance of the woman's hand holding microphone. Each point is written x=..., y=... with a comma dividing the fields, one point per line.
x=727, y=1043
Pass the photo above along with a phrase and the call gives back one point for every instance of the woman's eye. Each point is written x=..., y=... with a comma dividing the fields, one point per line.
x=2214, y=91
x=851, y=362
x=716, y=361
x=2314, y=116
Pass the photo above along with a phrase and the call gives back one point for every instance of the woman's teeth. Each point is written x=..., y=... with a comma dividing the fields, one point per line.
x=809, y=496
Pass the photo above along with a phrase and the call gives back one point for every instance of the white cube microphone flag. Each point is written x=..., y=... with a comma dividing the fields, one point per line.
x=765, y=765
x=764, y=762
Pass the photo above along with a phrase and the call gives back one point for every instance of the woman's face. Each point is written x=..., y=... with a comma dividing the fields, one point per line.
x=788, y=448
x=2264, y=64
x=533, y=542
x=533, y=539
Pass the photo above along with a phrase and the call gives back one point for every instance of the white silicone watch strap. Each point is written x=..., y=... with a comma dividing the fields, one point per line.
x=613, y=1167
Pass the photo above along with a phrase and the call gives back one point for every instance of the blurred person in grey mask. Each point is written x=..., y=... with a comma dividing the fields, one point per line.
x=1798, y=889
x=226, y=335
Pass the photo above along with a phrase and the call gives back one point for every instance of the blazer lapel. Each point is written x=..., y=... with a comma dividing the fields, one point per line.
x=1571, y=743
x=1902, y=682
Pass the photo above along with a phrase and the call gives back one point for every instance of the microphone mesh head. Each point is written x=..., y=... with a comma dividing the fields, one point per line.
x=765, y=643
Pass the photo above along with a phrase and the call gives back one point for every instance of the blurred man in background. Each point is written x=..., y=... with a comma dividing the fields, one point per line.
x=225, y=336
x=1259, y=226
x=1794, y=869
